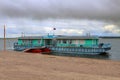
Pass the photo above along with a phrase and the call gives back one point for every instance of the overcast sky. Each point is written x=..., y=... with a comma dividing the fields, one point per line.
x=69, y=17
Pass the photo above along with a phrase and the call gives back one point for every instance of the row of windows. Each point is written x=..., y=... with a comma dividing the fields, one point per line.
x=77, y=42
x=71, y=41
x=60, y=41
x=30, y=41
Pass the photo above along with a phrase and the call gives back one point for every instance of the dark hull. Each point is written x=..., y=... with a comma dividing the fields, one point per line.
x=66, y=50
x=79, y=50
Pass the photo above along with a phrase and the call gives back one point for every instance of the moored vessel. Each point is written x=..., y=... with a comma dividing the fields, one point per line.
x=63, y=44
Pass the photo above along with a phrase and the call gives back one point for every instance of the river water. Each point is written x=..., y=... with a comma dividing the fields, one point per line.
x=114, y=53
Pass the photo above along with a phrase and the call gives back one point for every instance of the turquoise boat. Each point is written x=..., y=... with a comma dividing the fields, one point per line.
x=63, y=44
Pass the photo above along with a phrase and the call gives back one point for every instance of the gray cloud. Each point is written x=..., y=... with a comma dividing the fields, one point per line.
x=68, y=16
x=42, y=9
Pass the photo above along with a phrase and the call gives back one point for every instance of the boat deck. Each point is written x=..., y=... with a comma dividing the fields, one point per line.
x=76, y=50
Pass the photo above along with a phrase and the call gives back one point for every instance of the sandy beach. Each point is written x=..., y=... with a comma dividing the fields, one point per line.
x=28, y=66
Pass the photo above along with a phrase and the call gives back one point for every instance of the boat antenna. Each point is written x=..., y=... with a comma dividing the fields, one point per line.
x=88, y=34
x=22, y=34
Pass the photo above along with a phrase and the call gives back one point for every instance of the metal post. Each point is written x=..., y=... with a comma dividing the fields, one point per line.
x=4, y=39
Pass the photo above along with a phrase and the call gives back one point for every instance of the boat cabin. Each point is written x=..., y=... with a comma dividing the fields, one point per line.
x=77, y=41
x=60, y=41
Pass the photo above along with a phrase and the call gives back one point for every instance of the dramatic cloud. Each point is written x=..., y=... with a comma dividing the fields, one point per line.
x=111, y=29
x=93, y=9
x=68, y=16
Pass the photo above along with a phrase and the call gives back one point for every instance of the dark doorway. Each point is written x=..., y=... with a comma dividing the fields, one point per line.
x=48, y=42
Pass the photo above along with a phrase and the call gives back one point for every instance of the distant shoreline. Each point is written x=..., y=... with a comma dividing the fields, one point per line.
x=99, y=37
x=109, y=36
x=9, y=38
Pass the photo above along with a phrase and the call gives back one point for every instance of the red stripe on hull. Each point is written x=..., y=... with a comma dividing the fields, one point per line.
x=38, y=50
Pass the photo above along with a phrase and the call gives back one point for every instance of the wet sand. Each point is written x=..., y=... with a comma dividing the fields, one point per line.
x=28, y=66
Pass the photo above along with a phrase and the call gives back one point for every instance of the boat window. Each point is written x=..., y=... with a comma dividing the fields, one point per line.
x=65, y=41
x=59, y=41
x=27, y=41
x=30, y=41
x=70, y=41
x=24, y=41
x=39, y=41
x=82, y=41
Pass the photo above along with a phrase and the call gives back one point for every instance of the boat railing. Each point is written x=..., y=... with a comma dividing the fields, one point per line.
x=77, y=45
x=101, y=45
x=16, y=45
x=107, y=45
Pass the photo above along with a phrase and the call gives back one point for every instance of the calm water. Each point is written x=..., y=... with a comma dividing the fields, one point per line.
x=9, y=43
x=114, y=52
